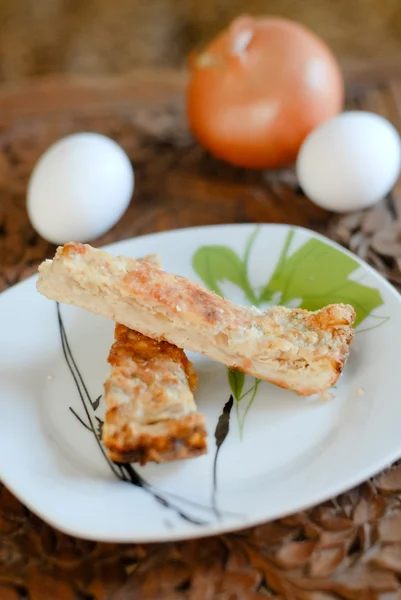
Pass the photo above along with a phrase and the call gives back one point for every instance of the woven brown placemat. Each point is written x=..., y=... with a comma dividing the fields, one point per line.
x=349, y=547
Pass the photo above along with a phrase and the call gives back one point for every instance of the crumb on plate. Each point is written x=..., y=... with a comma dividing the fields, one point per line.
x=326, y=396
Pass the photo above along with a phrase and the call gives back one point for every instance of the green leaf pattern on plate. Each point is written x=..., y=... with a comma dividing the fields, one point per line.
x=236, y=380
x=318, y=274
x=219, y=263
x=314, y=275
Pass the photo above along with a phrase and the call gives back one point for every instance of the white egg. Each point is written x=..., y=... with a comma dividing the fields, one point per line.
x=351, y=162
x=80, y=188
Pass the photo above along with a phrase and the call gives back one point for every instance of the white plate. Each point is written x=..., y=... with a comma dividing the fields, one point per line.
x=293, y=452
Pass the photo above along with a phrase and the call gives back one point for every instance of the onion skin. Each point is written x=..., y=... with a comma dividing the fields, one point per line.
x=259, y=88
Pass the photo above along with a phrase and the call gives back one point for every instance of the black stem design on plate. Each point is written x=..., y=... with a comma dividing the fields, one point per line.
x=220, y=434
x=133, y=477
x=76, y=415
x=95, y=403
x=78, y=380
x=124, y=472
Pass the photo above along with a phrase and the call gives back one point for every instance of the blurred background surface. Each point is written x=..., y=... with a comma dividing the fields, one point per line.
x=95, y=37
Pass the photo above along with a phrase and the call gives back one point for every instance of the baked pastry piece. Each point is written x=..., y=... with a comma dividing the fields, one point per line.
x=293, y=348
x=151, y=413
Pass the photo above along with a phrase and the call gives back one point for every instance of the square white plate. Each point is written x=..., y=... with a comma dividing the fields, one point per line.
x=281, y=453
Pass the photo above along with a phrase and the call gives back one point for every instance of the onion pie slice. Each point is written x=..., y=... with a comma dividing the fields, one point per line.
x=151, y=412
x=293, y=348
